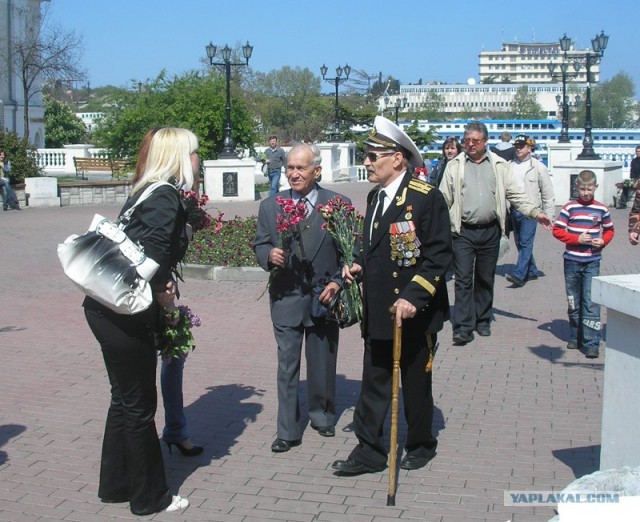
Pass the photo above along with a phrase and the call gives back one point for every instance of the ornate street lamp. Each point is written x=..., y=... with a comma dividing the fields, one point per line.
x=598, y=44
x=337, y=80
x=228, y=150
x=564, y=66
x=401, y=103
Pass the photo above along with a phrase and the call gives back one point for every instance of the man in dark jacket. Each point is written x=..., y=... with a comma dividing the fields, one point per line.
x=406, y=252
x=310, y=260
x=505, y=149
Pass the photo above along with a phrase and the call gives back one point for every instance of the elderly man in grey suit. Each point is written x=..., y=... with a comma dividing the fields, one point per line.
x=305, y=277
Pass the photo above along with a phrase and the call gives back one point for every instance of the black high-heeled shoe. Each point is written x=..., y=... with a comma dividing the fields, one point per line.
x=184, y=451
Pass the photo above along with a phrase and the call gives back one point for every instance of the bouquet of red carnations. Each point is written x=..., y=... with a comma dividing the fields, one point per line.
x=194, y=204
x=344, y=224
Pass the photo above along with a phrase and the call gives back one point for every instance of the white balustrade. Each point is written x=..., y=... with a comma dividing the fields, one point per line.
x=59, y=162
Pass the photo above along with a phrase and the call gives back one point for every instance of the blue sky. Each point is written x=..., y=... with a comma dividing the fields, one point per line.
x=409, y=39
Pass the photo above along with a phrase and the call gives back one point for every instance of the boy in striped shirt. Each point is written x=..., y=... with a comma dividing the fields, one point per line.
x=585, y=226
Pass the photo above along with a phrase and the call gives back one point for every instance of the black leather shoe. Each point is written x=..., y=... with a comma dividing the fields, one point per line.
x=462, y=338
x=517, y=283
x=352, y=467
x=415, y=462
x=484, y=331
x=328, y=431
x=281, y=445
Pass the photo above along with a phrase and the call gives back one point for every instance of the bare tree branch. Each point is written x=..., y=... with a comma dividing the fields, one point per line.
x=42, y=52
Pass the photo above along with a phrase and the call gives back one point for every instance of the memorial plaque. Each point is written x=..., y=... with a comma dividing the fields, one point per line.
x=573, y=189
x=229, y=184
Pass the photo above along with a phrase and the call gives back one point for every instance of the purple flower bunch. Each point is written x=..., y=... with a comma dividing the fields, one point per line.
x=175, y=338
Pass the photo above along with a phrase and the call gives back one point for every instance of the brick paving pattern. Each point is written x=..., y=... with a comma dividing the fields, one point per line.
x=513, y=411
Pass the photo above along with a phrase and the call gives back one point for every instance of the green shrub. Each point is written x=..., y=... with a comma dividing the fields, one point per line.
x=224, y=243
x=22, y=157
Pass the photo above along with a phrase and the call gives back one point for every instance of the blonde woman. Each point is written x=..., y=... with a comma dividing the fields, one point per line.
x=132, y=469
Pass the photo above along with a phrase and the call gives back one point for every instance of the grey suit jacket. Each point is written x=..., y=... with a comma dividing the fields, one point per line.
x=291, y=287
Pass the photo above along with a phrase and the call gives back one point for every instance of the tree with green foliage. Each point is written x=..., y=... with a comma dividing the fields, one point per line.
x=524, y=105
x=288, y=104
x=61, y=125
x=420, y=138
x=612, y=103
x=192, y=101
x=388, y=85
x=22, y=156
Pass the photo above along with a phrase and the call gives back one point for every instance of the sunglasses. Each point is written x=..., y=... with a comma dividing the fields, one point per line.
x=375, y=156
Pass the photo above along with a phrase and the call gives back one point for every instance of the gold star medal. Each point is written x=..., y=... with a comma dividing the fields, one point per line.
x=409, y=215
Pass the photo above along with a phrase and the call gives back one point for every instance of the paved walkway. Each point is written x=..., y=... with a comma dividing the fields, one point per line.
x=513, y=411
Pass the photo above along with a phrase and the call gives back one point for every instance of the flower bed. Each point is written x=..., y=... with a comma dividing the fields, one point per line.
x=224, y=243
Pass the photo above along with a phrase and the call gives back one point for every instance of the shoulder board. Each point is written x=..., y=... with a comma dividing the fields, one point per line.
x=420, y=186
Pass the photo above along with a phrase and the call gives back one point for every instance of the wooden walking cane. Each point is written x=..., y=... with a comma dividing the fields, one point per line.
x=395, y=387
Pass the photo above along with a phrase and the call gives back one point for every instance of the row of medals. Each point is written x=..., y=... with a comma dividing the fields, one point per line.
x=405, y=248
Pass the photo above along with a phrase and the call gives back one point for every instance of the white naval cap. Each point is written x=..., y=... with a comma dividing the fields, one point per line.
x=387, y=135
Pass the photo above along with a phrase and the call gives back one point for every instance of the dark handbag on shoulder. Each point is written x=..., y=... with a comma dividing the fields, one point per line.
x=107, y=266
x=344, y=308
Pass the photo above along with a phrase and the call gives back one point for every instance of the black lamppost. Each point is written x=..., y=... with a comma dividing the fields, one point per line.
x=401, y=103
x=564, y=66
x=228, y=150
x=570, y=104
x=598, y=44
x=335, y=136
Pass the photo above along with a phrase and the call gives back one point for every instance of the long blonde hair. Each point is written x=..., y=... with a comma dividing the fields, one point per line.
x=169, y=156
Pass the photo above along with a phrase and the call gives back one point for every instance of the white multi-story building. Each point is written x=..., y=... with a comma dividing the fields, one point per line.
x=17, y=19
x=91, y=120
x=529, y=63
x=470, y=97
x=517, y=64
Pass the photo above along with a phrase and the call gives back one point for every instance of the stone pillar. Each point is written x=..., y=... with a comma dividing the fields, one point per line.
x=230, y=179
x=608, y=174
x=41, y=192
x=621, y=396
x=338, y=162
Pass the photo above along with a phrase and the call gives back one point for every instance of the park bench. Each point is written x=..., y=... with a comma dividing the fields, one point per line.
x=117, y=167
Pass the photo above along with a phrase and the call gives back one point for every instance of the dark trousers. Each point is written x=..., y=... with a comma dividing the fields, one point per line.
x=475, y=256
x=321, y=354
x=375, y=399
x=131, y=467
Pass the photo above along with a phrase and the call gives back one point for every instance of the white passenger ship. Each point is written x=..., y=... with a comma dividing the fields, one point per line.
x=612, y=144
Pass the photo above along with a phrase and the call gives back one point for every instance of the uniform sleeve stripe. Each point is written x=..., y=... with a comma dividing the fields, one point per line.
x=424, y=284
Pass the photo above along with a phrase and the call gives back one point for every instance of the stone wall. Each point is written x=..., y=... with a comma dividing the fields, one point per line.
x=93, y=193
x=86, y=192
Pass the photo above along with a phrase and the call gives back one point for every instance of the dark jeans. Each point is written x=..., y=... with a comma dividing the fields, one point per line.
x=584, y=314
x=475, y=256
x=524, y=234
x=131, y=467
x=9, y=197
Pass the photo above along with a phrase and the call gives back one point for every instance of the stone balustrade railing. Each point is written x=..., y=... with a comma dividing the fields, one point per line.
x=59, y=162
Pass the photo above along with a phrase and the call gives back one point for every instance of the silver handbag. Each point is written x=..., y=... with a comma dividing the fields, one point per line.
x=107, y=266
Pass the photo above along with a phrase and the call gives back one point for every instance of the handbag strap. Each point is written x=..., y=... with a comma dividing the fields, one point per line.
x=124, y=219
